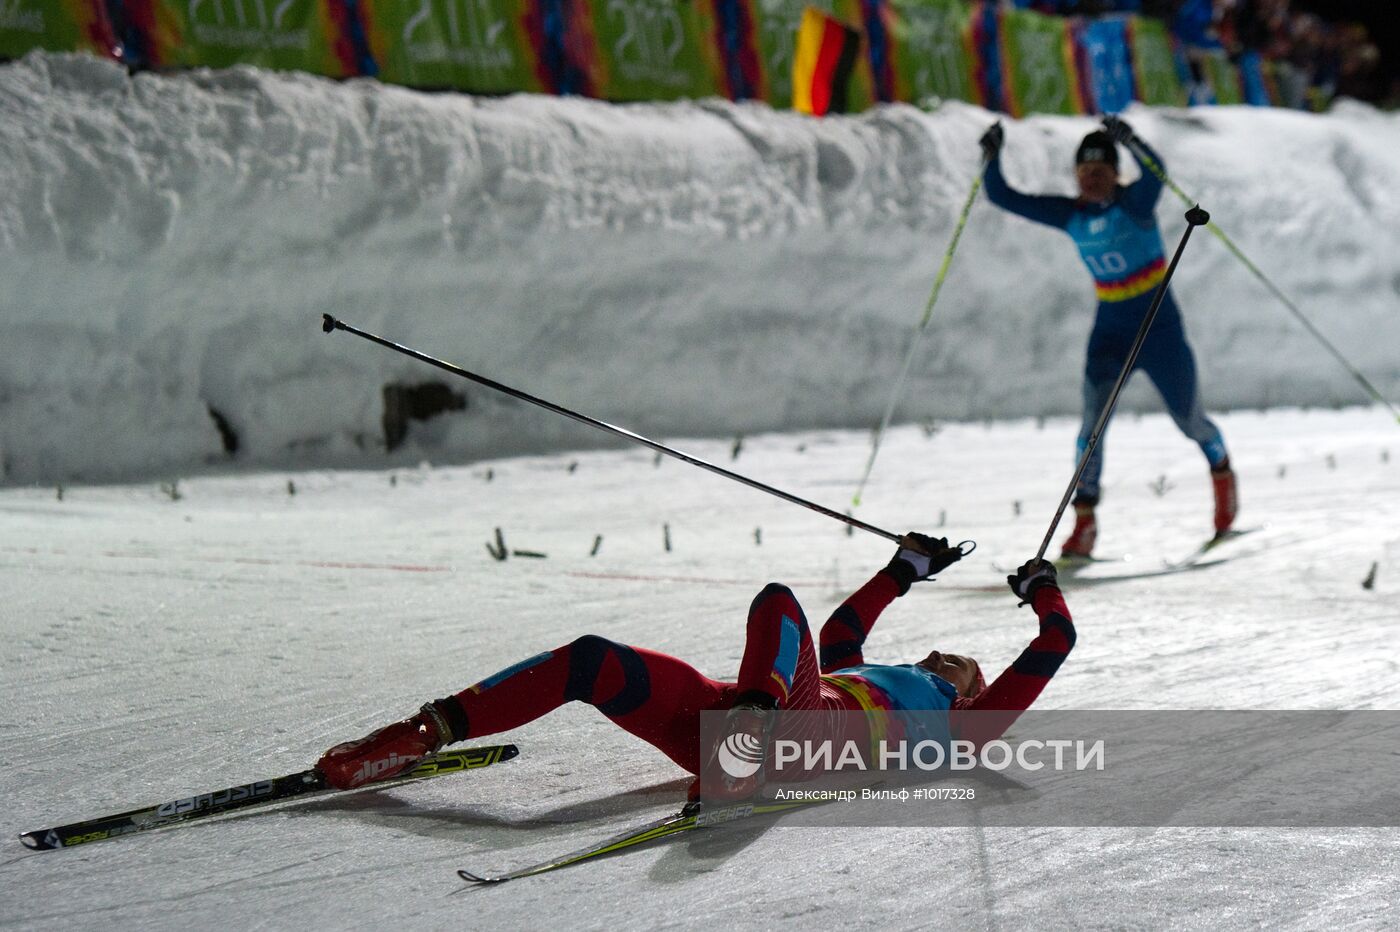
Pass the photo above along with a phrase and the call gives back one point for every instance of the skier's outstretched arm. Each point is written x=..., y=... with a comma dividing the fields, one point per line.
x=844, y=633
x=1140, y=197
x=1022, y=682
x=1051, y=210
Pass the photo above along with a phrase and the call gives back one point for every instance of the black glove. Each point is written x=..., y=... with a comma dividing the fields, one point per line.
x=991, y=141
x=1121, y=132
x=1030, y=577
x=921, y=556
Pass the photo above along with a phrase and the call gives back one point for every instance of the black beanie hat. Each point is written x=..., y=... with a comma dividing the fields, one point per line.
x=1098, y=146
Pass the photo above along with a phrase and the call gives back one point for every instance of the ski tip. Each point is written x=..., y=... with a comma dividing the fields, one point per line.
x=33, y=841
x=1230, y=534
x=469, y=877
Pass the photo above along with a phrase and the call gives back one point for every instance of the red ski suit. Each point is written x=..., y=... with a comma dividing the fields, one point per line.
x=659, y=698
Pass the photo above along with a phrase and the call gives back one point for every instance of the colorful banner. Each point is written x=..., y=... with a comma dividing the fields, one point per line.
x=481, y=46
x=741, y=69
x=288, y=35
x=1155, y=73
x=1223, y=77
x=986, y=55
x=59, y=25
x=653, y=49
x=776, y=23
x=1254, y=83
x=1105, y=65
x=1016, y=61
x=1037, y=64
x=933, y=51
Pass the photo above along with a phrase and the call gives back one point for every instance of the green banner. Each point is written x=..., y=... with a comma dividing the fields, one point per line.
x=1154, y=66
x=472, y=45
x=60, y=25
x=652, y=50
x=1224, y=78
x=1037, y=64
x=932, y=47
x=775, y=22
x=284, y=35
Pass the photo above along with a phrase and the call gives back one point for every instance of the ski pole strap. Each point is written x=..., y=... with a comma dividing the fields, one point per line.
x=1273, y=289
x=329, y=324
x=1194, y=217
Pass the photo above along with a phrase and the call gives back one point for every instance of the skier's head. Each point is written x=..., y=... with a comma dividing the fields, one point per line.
x=1096, y=166
x=963, y=672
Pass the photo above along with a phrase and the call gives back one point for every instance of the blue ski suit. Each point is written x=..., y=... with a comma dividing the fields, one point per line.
x=1122, y=248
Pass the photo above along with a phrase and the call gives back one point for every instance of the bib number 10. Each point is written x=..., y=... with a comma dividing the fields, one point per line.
x=1106, y=263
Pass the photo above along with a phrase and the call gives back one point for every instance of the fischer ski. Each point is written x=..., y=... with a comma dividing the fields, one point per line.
x=1075, y=562
x=1067, y=568
x=1203, y=557
x=250, y=795
x=691, y=817
x=1209, y=546
x=1069, y=565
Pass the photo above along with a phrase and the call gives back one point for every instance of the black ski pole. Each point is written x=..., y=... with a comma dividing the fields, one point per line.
x=329, y=323
x=1194, y=217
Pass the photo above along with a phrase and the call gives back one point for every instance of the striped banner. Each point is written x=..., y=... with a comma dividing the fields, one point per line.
x=1105, y=65
x=59, y=25
x=933, y=50
x=652, y=49
x=482, y=46
x=1038, y=70
x=1156, y=77
x=1223, y=77
x=288, y=35
x=735, y=34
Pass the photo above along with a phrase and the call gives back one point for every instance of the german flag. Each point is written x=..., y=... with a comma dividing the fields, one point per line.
x=822, y=63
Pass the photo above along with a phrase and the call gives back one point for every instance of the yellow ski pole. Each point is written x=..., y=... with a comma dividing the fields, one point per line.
x=1365, y=383
x=917, y=337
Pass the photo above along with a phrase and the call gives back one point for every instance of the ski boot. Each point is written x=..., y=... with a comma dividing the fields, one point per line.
x=1227, y=499
x=736, y=768
x=387, y=752
x=1080, y=543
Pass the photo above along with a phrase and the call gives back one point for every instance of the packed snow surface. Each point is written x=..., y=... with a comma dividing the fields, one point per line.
x=169, y=243
x=158, y=646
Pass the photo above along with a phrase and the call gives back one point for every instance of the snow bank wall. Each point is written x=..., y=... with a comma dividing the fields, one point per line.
x=168, y=244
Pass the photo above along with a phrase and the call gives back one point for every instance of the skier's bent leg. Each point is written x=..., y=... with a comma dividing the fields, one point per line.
x=1169, y=363
x=1081, y=540
x=780, y=662
x=1101, y=368
x=1172, y=367
x=780, y=667
x=779, y=671
x=652, y=695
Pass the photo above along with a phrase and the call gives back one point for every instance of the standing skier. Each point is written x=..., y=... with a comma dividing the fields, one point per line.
x=660, y=699
x=1116, y=231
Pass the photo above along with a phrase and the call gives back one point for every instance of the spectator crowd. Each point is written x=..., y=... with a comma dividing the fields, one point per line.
x=1312, y=59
